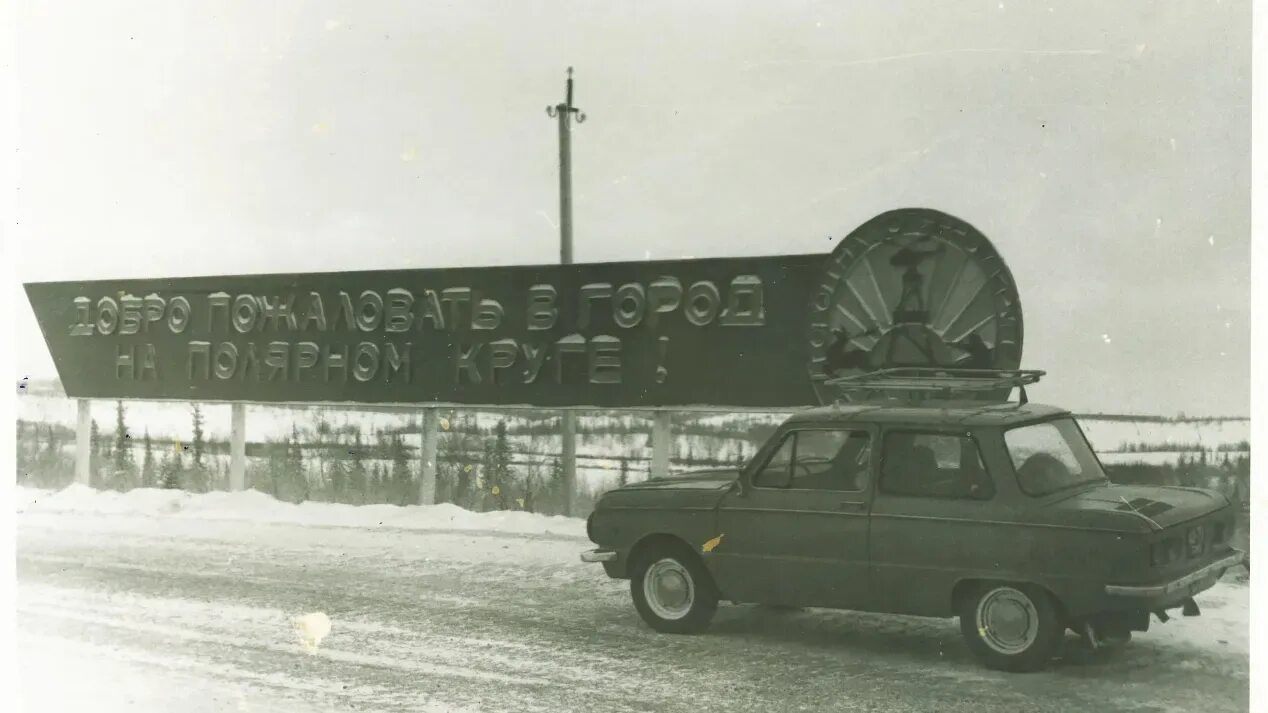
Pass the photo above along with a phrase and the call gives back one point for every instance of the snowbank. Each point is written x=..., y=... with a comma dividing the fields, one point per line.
x=254, y=506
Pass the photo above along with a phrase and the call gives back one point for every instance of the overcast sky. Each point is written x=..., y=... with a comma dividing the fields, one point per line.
x=1104, y=147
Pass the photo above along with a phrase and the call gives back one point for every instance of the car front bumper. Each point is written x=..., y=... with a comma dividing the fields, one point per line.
x=598, y=556
x=1185, y=586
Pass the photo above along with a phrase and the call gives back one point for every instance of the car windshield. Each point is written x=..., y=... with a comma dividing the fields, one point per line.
x=1051, y=456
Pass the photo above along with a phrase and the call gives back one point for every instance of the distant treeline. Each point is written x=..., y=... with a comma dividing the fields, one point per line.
x=513, y=464
x=1230, y=474
x=1181, y=447
x=477, y=468
x=1178, y=418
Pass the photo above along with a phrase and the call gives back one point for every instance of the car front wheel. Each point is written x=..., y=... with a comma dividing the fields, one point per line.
x=673, y=592
x=1011, y=627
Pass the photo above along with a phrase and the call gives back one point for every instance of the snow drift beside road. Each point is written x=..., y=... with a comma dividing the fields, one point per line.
x=254, y=506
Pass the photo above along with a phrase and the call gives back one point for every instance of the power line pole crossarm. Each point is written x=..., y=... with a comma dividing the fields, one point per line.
x=563, y=113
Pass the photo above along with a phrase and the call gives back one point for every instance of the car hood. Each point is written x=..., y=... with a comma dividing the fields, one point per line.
x=692, y=480
x=1159, y=506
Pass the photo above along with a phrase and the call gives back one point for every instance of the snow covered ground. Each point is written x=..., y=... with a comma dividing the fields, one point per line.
x=254, y=506
x=155, y=601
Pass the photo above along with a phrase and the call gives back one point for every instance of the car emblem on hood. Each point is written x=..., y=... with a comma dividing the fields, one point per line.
x=1195, y=539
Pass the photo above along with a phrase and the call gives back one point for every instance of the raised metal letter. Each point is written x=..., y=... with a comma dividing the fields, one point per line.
x=502, y=355
x=703, y=302
x=83, y=326
x=129, y=314
x=595, y=291
x=246, y=312
x=629, y=304
x=605, y=359
x=335, y=360
x=178, y=314
x=365, y=361
x=396, y=361
x=430, y=309
x=278, y=310
x=464, y=362
x=316, y=312
x=306, y=354
x=203, y=348
x=215, y=301
x=369, y=322
x=107, y=315
x=455, y=297
x=153, y=310
x=542, y=311
x=399, y=316
x=744, y=305
x=536, y=356
x=149, y=363
x=488, y=315
x=123, y=362
x=663, y=295
x=226, y=361
x=346, y=311
x=571, y=344
x=277, y=358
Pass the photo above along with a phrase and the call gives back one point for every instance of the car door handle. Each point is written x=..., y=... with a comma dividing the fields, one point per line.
x=852, y=505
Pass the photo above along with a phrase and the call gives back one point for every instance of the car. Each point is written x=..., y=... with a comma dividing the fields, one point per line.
x=995, y=512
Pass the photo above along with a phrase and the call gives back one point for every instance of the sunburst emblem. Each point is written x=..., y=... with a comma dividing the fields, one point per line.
x=913, y=287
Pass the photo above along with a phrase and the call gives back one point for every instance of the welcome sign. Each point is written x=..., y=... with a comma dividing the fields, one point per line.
x=909, y=287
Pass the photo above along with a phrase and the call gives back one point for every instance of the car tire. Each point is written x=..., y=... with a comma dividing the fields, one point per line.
x=673, y=591
x=1011, y=627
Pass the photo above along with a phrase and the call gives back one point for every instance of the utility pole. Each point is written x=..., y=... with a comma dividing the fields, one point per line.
x=563, y=113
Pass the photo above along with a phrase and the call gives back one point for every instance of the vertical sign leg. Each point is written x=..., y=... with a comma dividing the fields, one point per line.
x=238, y=447
x=569, y=458
x=427, y=468
x=661, y=441
x=83, y=446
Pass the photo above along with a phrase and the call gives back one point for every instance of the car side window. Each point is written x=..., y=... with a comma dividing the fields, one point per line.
x=819, y=459
x=934, y=465
x=775, y=473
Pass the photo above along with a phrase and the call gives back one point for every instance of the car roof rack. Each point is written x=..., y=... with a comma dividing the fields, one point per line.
x=921, y=383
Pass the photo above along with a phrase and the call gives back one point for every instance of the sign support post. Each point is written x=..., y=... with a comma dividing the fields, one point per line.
x=83, y=444
x=568, y=431
x=237, y=447
x=427, y=465
x=661, y=436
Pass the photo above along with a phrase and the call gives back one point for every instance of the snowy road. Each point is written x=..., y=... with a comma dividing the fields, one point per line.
x=153, y=613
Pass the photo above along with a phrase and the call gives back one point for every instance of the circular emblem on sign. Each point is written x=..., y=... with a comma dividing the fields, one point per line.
x=912, y=287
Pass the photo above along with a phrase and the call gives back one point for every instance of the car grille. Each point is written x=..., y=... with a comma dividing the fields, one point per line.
x=1193, y=541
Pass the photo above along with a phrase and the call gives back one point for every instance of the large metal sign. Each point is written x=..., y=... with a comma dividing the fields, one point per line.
x=909, y=287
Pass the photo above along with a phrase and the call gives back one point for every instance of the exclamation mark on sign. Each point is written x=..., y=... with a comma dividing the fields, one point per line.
x=662, y=372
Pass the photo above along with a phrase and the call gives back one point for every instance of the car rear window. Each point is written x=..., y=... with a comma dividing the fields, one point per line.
x=1051, y=456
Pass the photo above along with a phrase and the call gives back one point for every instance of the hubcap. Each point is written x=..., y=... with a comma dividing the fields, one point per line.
x=1007, y=620
x=668, y=589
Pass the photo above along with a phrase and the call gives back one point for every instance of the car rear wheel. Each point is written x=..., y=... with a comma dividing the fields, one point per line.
x=673, y=591
x=1011, y=627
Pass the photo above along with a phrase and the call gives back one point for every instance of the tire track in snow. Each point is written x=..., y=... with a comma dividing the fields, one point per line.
x=529, y=611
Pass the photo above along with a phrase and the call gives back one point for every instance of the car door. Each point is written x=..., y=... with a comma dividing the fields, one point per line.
x=930, y=522
x=795, y=532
